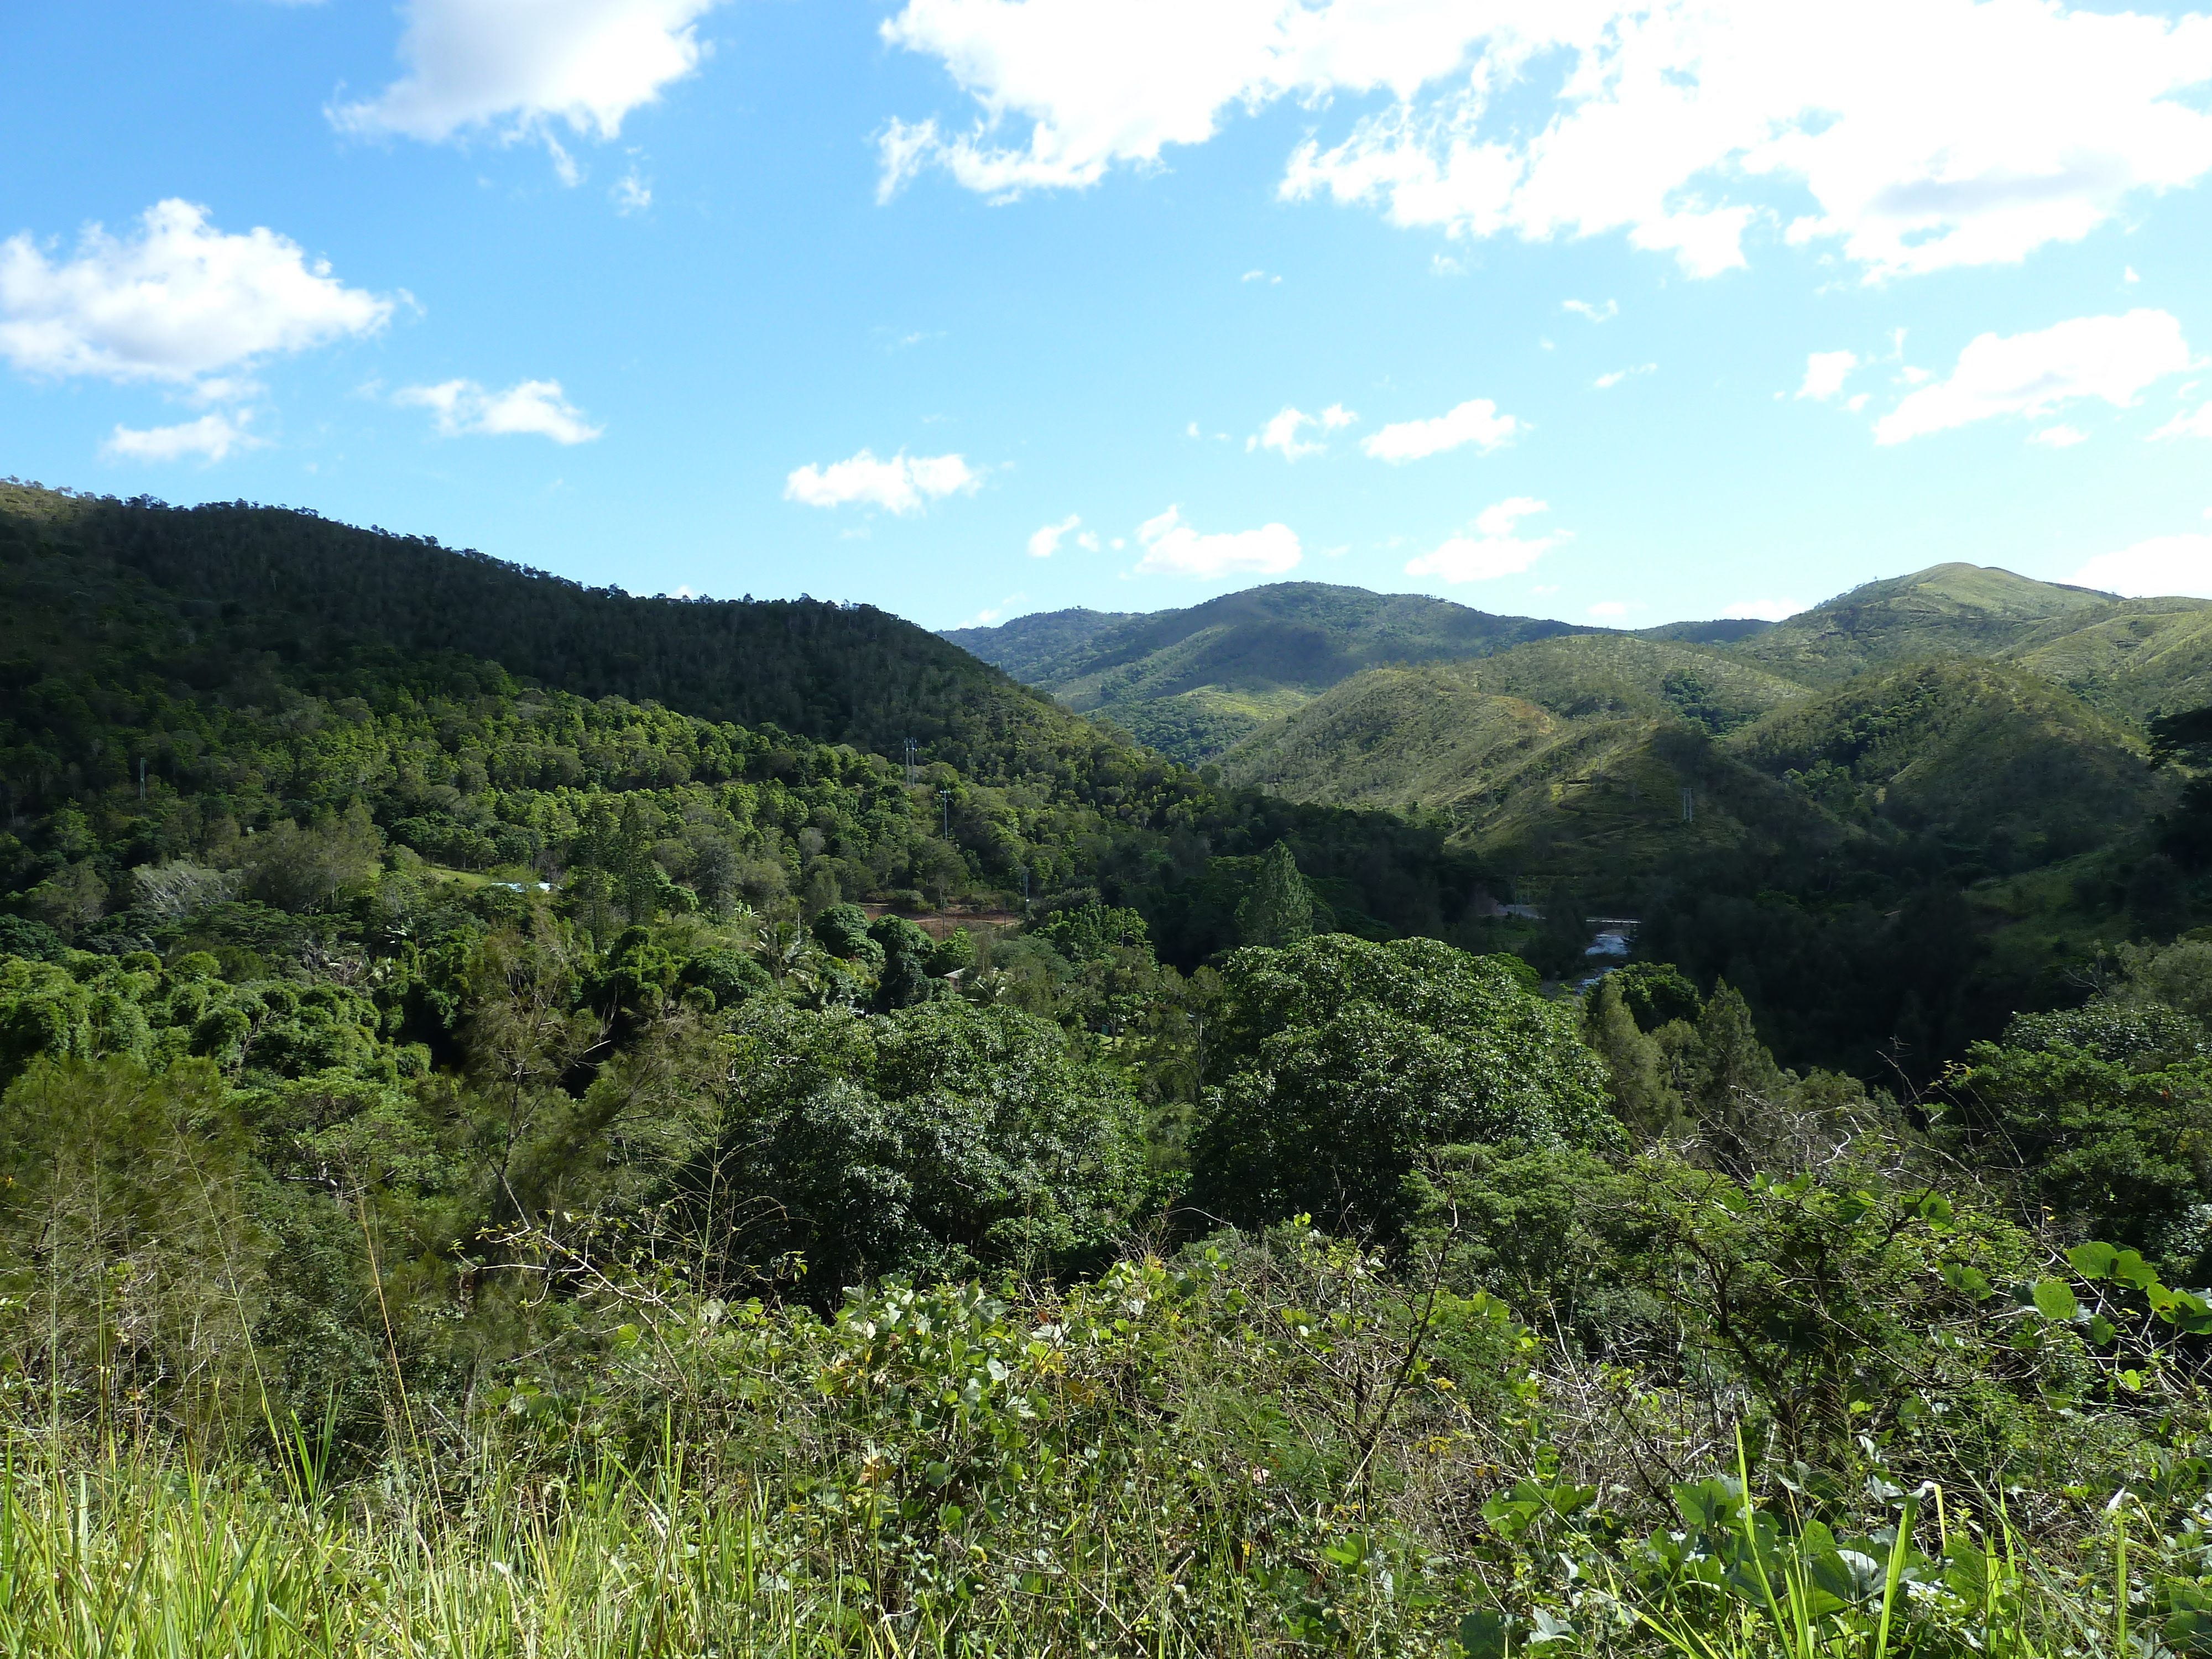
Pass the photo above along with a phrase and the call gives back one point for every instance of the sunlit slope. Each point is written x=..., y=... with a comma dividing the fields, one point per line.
x=1193, y=682
x=1948, y=611
x=1977, y=752
x=1581, y=675
x=1595, y=800
x=2146, y=656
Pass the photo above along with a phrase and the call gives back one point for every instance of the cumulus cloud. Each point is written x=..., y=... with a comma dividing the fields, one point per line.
x=2109, y=357
x=212, y=437
x=902, y=484
x=1826, y=373
x=1764, y=610
x=1172, y=548
x=513, y=67
x=1044, y=541
x=2006, y=125
x=2162, y=565
x=1494, y=549
x=463, y=407
x=1600, y=313
x=1476, y=421
x=1281, y=433
x=175, y=301
x=2197, y=425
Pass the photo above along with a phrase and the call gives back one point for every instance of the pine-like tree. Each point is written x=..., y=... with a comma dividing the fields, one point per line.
x=1279, y=910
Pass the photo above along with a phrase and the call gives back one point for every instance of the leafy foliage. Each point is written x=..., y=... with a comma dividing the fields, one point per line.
x=1340, y=1060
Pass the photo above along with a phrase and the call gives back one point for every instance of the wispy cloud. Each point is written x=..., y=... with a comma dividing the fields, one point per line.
x=1044, y=541
x=1173, y=548
x=1606, y=382
x=212, y=437
x=1476, y=421
x=1281, y=433
x=533, y=407
x=1826, y=373
x=902, y=484
x=1495, y=548
x=2113, y=358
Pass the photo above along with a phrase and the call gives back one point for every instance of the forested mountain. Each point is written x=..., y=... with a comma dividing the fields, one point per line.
x=177, y=680
x=1191, y=683
x=1948, y=814
x=1947, y=609
x=207, y=587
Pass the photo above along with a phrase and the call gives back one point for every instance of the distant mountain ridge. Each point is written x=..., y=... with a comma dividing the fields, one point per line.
x=1192, y=682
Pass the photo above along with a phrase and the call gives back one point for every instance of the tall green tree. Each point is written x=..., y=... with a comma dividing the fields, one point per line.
x=1279, y=910
x=1339, y=1060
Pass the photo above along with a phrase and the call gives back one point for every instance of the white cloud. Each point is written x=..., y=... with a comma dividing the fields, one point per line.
x=2109, y=357
x=900, y=484
x=2058, y=437
x=1044, y=541
x=2198, y=425
x=632, y=193
x=1915, y=134
x=515, y=66
x=463, y=407
x=990, y=615
x=1281, y=433
x=212, y=437
x=1476, y=421
x=1826, y=373
x=176, y=302
x=1260, y=277
x=1494, y=549
x=1764, y=610
x=1173, y=548
x=1608, y=381
x=1608, y=608
x=1598, y=313
x=2163, y=565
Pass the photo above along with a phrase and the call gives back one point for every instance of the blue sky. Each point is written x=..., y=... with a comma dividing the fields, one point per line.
x=968, y=308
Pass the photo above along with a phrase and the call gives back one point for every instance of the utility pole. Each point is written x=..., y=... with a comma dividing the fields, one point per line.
x=945, y=796
x=1689, y=807
x=912, y=766
x=1024, y=870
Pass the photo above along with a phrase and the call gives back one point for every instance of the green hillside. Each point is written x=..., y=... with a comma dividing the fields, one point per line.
x=1584, y=793
x=1910, y=851
x=1191, y=683
x=245, y=580
x=1984, y=756
x=173, y=681
x=1948, y=609
x=2135, y=659
x=1585, y=674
